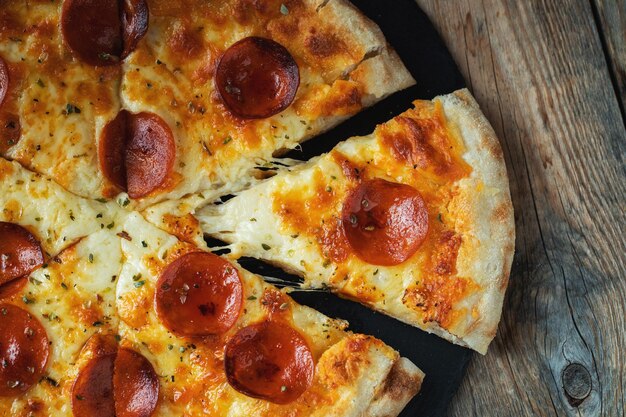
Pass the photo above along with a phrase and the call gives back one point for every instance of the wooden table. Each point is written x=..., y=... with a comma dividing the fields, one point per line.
x=551, y=77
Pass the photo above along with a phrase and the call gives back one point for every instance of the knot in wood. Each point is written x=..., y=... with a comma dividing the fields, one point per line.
x=576, y=383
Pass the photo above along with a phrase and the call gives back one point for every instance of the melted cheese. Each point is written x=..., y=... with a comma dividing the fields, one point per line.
x=73, y=298
x=193, y=381
x=171, y=74
x=62, y=101
x=56, y=217
x=105, y=284
x=294, y=220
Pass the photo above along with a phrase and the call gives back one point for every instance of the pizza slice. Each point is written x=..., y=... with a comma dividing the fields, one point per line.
x=52, y=104
x=59, y=258
x=226, y=343
x=149, y=98
x=128, y=320
x=235, y=82
x=414, y=220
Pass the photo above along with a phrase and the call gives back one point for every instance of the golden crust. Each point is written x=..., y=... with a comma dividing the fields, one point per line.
x=403, y=382
x=488, y=214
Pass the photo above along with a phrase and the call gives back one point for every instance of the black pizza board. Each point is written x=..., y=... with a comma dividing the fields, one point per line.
x=412, y=35
x=423, y=52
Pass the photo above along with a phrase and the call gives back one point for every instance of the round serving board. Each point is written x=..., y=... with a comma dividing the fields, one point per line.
x=412, y=35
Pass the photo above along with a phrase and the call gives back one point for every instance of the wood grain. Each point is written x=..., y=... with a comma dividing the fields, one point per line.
x=539, y=72
x=610, y=16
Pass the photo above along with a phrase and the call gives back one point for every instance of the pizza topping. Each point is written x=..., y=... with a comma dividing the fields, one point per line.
x=4, y=79
x=103, y=32
x=136, y=385
x=115, y=382
x=257, y=78
x=20, y=252
x=134, y=24
x=12, y=287
x=137, y=152
x=92, y=393
x=199, y=294
x=269, y=360
x=384, y=222
x=24, y=350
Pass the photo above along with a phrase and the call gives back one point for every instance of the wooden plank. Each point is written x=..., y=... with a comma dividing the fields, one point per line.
x=611, y=18
x=538, y=70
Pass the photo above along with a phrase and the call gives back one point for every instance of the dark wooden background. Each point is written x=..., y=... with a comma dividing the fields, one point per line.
x=551, y=77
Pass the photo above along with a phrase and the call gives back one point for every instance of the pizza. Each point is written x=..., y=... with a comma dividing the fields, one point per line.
x=132, y=130
x=414, y=220
x=85, y=82
x=125, y=319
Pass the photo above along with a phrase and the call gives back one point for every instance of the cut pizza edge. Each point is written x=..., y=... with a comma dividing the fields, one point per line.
x=475, y=226
x=76, y=304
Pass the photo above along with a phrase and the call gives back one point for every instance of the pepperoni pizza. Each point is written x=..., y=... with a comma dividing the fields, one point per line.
x=414, y=220
x=122, y=122
x=153, y=100
x=124, y=319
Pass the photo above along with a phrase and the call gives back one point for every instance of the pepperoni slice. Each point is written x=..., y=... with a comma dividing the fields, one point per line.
x=4, y=79
x=23, y=350
x=385, y=222
x=257, y=78
x=136, y=385
x=134, y=24
x=92, y=392
x=12, y=287
x=111, y=150
x=93, y=30
x=270, y=361
x=137, y=152
x=20, y=252
x=115, y=383
x=102, y=32
x=199, y=294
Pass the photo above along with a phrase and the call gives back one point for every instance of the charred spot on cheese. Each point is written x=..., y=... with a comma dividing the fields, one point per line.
x=274, y=302
x=23, y=352
x=185, y=42
x=257, y=78
x=137, y=152
x=424, y=142
x=343, y=99
x=101, y=33
x=443, y=258
x=186, y=227
x=20, y=252
x=435, y=298
x=323, y=44
x=270, y=361
x=199, y=294
x=350, y=169
x=384, y=222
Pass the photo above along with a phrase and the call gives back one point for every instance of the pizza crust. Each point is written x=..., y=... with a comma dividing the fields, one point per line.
x=368, y=377
x=403, y=382
x=488, y=215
